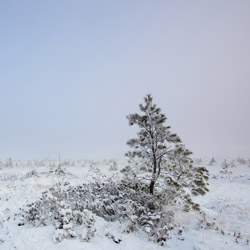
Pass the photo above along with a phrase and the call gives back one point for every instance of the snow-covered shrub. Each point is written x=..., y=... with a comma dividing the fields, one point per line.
x=31, y=173
x=212, y=162
x=57, y=170
x=89, y=230
x=66, y=221
x=9, y=162
x=225, y=168
x=11, y=177
x=65, y=228
x=93, y=168
x=241, y=161
x=155, y=225
x=60, y=170
x=68, y=207
x=224, y=164
x=137, y=209
x=115, y=238
x=54, y=207
x=113, y=165
x=232, y=164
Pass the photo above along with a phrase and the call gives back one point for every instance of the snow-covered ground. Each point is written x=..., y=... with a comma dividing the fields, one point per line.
x=223, y=223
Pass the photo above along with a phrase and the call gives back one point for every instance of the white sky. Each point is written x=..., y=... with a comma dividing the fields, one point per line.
x=70, y=72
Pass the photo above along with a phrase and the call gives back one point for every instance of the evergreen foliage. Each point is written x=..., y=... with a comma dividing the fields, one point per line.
x=158, y=156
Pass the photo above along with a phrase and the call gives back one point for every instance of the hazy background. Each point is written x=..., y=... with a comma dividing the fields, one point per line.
x=70, y=71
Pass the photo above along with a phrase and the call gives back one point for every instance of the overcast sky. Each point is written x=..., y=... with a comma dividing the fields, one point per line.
x=70, y=72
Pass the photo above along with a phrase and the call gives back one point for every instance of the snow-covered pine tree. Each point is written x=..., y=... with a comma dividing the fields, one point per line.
x=160, y=153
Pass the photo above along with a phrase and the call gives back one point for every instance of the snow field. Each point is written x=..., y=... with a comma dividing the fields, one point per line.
x=224, y=221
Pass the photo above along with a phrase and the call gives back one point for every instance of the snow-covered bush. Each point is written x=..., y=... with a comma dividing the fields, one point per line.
x=54, y=207
x=89, y=230
x=57, y=170
x=93, y=168
x=232, y=164
x=241, y=161
x=11, y=177
x=225, y=168
x=212, y=162
x=68, y=207
x=66, y=224
x=31, y=173
x=9, y=162
x=113, y=165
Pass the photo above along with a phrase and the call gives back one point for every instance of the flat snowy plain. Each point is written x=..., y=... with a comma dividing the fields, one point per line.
x=226, y=224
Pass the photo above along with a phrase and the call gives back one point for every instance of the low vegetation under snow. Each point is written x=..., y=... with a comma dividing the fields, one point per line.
x=83, y=205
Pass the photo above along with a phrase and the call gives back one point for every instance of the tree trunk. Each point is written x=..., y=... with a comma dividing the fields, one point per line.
x=151, y=187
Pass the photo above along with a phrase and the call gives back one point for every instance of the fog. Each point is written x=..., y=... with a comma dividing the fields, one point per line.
x=70, y=72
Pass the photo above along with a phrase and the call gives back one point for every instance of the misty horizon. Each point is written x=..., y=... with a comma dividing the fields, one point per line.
x=70, y=73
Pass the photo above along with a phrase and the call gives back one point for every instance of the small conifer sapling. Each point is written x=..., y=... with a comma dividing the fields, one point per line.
x=161, y=154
